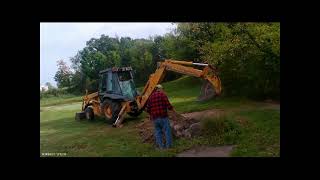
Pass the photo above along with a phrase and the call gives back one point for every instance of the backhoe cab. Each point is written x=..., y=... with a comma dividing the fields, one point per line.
x=117, y=83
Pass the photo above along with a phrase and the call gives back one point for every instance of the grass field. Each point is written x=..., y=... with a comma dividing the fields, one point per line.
x=59, y=100
x=258, y=136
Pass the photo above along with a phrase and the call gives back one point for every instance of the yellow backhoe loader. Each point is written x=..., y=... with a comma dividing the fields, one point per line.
x=117, y=93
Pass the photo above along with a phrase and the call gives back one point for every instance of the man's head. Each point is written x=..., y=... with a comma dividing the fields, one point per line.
x=159, y=87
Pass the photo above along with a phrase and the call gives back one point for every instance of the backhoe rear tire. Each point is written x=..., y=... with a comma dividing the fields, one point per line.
x=110, y=109
x=134, y=114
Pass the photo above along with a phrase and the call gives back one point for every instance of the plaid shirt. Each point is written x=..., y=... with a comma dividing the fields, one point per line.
x=158, y=104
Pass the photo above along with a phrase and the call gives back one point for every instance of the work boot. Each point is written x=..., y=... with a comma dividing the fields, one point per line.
x=159, y=147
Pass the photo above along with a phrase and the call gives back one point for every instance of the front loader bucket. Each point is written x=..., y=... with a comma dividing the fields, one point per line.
x=207, y=91
x=79, y=116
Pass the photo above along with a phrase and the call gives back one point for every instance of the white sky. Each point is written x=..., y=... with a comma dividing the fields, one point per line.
x=64, y=40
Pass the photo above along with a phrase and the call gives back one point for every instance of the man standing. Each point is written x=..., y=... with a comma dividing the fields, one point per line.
x=157, y=107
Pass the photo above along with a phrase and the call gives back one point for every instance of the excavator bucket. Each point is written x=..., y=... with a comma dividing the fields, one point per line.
x=207, y=91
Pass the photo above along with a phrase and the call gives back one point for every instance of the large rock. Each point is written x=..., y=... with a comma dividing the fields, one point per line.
x=179, y=134
x=177, y=127
x=187, y=133
x=194, y=129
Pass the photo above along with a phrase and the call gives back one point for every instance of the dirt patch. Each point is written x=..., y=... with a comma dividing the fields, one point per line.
x=271, y=106
x=204, y=114
x=272, y=101
x=182, y=125
x=242, y=121
x=222, y=151
x=146, y=131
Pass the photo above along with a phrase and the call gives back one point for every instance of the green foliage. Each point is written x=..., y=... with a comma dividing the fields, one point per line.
x=221, y=130
x=78, y=82
x=59, y=100
x=63, y=75
x=54, y=92
x=247, y=56
x=178, y=47
x=141, y=59
x=49, y=85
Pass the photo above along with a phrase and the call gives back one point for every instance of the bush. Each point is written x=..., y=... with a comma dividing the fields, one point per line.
x=246, y=54
x=54, y=92
x=214, y=127
x=221, y=130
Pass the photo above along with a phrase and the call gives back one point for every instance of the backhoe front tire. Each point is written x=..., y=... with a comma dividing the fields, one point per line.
x=111, y=110
x=89, y=113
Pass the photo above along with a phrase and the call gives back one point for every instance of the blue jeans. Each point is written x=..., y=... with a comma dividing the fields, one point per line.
x=159, y=125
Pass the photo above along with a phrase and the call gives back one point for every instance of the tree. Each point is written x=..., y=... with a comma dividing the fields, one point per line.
x=124, y=45
x=142, y=59
x=49, y=85
x=63, y=75
x=247, y=54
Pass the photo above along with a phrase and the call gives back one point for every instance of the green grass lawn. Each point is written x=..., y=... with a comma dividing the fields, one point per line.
x=260, y=136
x=59, y=100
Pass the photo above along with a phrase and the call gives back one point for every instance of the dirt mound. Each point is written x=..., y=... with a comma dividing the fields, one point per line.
x=204, y=114
x=178, y=124
x=146, y=131
x=182, y=125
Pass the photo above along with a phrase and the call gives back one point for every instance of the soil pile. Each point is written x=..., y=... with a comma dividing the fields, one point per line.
x=182, y=125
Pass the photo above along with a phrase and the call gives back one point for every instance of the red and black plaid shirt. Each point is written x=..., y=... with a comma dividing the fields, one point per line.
x=158, y=104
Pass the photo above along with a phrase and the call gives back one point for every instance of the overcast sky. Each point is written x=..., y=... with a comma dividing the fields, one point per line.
x=64, y=40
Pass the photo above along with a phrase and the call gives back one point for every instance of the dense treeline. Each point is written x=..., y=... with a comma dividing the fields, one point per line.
x=246, y=54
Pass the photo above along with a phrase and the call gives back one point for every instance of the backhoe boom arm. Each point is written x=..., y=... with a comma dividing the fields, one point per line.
x=208, y=73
